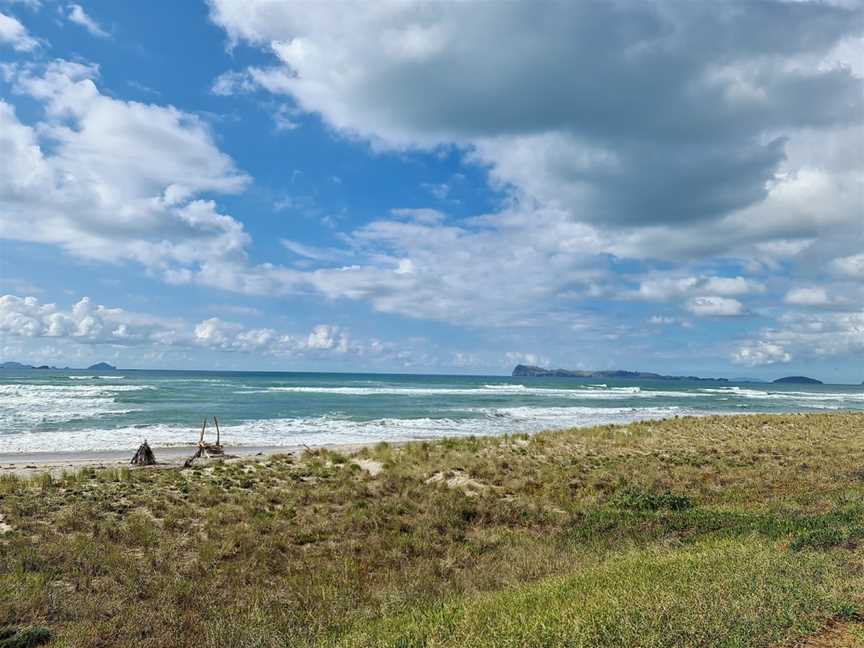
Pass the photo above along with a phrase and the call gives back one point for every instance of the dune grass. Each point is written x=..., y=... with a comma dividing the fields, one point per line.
x=719, y=531
x=717, y=592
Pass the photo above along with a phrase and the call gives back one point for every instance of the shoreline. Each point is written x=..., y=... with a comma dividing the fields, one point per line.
x=26, y=464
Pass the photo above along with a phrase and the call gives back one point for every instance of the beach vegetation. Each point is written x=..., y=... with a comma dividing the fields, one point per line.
x=742, y=531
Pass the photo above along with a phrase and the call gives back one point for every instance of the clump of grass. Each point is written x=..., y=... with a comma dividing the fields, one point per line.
x=639, y=500
x=26, y=638
x=9, y=483
x=826, y=538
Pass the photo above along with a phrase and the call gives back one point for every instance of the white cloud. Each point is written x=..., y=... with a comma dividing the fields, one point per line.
x=806, y=336
x=75, y=13
x=324, y=336
x=761, y=353
x=714, y=306
x=84, y=322
x=231, y=83
x=531, y=359
x=604, y=147
x=667, y=288
x=731, y=286
x=759, y=160
x=668, y=320
x=87, y=323
x=113, y=180
x=13, y=33
x=851, y=266
x=808, y=296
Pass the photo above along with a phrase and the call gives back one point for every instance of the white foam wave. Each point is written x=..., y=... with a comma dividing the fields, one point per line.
x=759, y=394
x=590, y=392
x=325, y=430
x=409, y=391
x=26, y=406
x=112, y=377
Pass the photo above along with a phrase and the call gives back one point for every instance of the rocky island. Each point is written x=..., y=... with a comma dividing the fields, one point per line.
x=101, y=366
x=526, y=371
x=798, y=380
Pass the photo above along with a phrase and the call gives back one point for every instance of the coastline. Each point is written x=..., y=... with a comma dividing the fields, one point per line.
x=33, y=463
x=26, y=464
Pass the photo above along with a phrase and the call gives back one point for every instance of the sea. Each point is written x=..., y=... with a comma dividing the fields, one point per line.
x=54, y=411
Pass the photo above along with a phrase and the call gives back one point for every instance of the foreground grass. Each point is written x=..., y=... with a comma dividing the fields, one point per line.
x=722, y=531
x=734, y=593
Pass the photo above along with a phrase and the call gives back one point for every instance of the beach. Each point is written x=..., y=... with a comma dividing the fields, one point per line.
x=50, y=411
x=712, y=530
x=172, y=457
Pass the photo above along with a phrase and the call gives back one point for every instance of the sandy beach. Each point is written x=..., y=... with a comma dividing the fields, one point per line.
x=55, y=463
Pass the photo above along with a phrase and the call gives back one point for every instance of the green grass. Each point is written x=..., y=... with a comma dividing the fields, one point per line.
x=723, y=592
x=721, y=531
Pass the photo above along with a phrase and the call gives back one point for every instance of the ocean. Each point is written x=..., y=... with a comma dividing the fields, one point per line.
x=51, y=411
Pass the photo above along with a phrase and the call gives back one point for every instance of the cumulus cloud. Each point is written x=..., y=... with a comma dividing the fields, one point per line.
x=84, y=322
x=88, y=323
x=755, y=354
x=673, y=131
x=113, y=180
x=13, y=33
x=75, y=13
x=621, y=114
x=666, y=288
x=806, y=336
x=715, y=306
x=808, y=296
x=851, y=266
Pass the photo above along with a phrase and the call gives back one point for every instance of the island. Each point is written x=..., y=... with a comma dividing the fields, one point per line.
x=798, y=380
x=529, y=371
x=14, y=365
x=101, y=366
x=19, y=365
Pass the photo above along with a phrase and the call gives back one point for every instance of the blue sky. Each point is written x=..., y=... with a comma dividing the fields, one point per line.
x=675, y=187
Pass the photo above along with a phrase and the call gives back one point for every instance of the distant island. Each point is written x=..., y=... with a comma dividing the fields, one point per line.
x=523, y=371
x=99, y=366
x=102, y=366
x=798, y=380
x=529, y=371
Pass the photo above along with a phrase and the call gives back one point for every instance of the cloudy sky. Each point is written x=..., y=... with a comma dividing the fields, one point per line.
x=434, y=187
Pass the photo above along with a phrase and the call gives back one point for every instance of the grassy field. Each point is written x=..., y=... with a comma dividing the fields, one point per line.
x=721, y=531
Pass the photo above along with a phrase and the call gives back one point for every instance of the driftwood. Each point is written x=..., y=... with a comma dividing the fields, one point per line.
x=144, y=455
x=206, y=449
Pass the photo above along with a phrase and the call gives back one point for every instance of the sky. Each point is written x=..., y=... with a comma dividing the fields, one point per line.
x=434, y=187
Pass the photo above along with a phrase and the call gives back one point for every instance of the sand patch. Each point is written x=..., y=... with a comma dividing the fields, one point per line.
x=371, y=466
x=458, y=479
x=4, y=528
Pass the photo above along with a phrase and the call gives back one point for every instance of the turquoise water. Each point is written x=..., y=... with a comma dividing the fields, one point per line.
x=80, y=410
